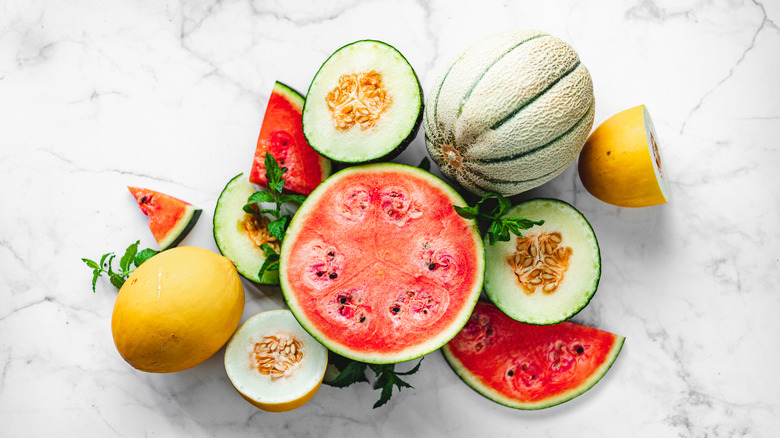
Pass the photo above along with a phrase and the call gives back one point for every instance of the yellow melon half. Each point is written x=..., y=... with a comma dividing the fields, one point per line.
x=177, y=309
x=621, y=164
x=274, y=363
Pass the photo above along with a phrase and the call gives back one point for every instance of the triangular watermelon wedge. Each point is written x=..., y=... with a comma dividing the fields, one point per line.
x=170, y=219
x=282, y=135
x=527, y=366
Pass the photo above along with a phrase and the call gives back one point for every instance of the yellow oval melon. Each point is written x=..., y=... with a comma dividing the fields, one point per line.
x=509, y=113
x=621, y=163
x=177, y=309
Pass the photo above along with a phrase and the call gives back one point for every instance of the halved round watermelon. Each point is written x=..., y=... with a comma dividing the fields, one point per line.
x=377, y=265
x=282, y=135
x=528, y=366
x=170, y=219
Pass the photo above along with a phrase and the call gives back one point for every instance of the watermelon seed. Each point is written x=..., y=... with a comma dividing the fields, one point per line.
x=489, y=331
x=143, y=199
x=320, y=273
x=580, y=350
x=511, y=373
x=396, y=309
x=362, y=319
x=343, y=300
x=333, y=275
x=432, y=266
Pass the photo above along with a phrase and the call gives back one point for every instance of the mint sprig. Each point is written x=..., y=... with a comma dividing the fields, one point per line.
x=500, y=227
x=274, y=195
x=385, y=374
x=130, y=261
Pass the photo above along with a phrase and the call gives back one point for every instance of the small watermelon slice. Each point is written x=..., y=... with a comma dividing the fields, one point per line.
x=526, y=366
x=170, y=219
x=282, y=136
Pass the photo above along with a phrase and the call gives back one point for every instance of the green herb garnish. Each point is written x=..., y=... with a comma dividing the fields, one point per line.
x=385, y=374
x=275, y=195
x=499, y=227
x=130, y=261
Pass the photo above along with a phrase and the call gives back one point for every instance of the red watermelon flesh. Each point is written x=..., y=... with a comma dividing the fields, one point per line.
x=529, y=366
x=282, y=135
x=170, y=219
x=378, y=266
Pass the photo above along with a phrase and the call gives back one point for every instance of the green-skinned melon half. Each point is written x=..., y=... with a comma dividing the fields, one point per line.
x=550, y=273
x=364, y=104
x=378, y=266
x=509, y=113
x=239, y=234
x=526, y=366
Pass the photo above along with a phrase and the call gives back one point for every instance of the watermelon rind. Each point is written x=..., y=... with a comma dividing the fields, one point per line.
x=477, y=385
x=580, y=281
x=296, y=100
x=230, y=239
x=396, y=128
x=182, y=227
x=435, y=342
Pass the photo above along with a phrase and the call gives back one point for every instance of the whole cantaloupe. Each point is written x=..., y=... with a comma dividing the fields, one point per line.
x=509, y=113
x=177, y=309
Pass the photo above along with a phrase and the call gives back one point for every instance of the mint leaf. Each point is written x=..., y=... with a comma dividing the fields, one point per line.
x=271, y=263
x=273, y=173
x=499, y=228
x=354, y=372
x=278, y=227
x=143, y=256
x=124, y=262
x=91, y=263
x=260, y=196
x=293, y=198
x=117, y=281
x=267, y=249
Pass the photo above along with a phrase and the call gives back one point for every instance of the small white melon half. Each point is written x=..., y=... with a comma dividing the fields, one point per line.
x=268, y=374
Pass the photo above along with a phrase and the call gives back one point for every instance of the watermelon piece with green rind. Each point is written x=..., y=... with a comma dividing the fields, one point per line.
x=282, y=135
x=527, y=366
x=378, y=266
x=170, y=219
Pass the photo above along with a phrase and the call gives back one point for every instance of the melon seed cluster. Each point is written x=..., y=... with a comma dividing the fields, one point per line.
x=275, y=355
x=540, y=262
x=358, y=99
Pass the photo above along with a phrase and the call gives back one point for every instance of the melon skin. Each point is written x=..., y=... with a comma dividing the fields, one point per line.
x=509, y=113
x=555, y=370
x=372, y=278
x=177, y=309
x=621, y=163
x=395, y=129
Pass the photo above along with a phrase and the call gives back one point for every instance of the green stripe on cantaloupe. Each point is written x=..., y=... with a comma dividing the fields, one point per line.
x=514, y=106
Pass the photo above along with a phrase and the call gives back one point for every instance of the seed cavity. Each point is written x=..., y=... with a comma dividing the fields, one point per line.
x=540, y=262
x=277, y=355
x=255, y=226
x=358, y=99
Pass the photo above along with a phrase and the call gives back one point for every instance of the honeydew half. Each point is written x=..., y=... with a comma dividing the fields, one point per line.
x=620, y=163
x=364, y=104
x=274, y=363
x=239, y=234
x=552, y=272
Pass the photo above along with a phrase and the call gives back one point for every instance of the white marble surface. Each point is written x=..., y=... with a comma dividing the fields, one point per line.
x=97, y=95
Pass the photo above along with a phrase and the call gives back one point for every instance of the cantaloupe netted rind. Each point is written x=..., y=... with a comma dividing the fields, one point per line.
x=377, y=265
x=363, y=128
x=529, y=367
x=553, y=273
x=509, y=113
x=274, y=363
x=621, y=162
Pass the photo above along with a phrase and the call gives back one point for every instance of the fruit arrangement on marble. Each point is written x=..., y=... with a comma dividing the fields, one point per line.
x=381, y=263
